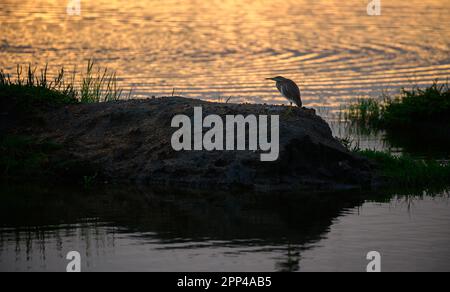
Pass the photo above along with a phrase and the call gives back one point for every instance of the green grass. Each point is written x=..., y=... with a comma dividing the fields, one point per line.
x=23, y=156
x=28, y=94
x=30, y=87
x=25, y=159
x=406, y=171
x=409, y=109
x=98, y=85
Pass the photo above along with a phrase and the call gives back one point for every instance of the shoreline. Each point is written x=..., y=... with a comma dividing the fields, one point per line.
x=129, y=142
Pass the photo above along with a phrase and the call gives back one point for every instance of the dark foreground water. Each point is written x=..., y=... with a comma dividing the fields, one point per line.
x=142, y=230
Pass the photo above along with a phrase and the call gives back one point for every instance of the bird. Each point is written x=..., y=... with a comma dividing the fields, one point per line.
x=288, y=89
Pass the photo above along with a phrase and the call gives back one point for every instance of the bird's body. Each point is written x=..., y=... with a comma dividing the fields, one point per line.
x=289, y=90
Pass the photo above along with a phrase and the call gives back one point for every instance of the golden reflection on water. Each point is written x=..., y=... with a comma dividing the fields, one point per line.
x=223, y=48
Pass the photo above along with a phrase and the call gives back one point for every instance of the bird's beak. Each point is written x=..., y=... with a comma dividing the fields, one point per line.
x=270, y=79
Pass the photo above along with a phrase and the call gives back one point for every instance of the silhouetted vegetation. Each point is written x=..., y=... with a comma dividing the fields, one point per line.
x=411, y=108
x=26, y=159
x=32, y=87
x=405, y=171
x=24, y=156
x=409, y=172
x=25, y=98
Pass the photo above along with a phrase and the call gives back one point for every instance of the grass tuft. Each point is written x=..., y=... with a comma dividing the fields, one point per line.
x=24, y=156
x=406, y=171
x=99, y=85
x=409, y=109
x=26, y=159
x=32, y=86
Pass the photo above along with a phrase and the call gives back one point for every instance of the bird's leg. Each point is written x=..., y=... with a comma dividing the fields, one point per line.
x=290, y=110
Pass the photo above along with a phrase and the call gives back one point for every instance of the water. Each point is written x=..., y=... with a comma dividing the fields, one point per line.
x=214, y=50
x=144, y=230
x=221, y=48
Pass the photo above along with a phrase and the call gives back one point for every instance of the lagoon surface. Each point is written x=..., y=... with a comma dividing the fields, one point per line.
x=225, y=48
x=137, y=230
x=214, y=50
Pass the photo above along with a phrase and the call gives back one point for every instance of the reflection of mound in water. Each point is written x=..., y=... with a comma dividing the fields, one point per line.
x=283, y=223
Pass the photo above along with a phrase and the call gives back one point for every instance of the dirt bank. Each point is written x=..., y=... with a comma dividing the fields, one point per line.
x=130, y=142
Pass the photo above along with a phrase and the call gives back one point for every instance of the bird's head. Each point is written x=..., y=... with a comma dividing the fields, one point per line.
x=277, y=79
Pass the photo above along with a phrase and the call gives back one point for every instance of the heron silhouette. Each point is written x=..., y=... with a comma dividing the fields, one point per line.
x=288, y=89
